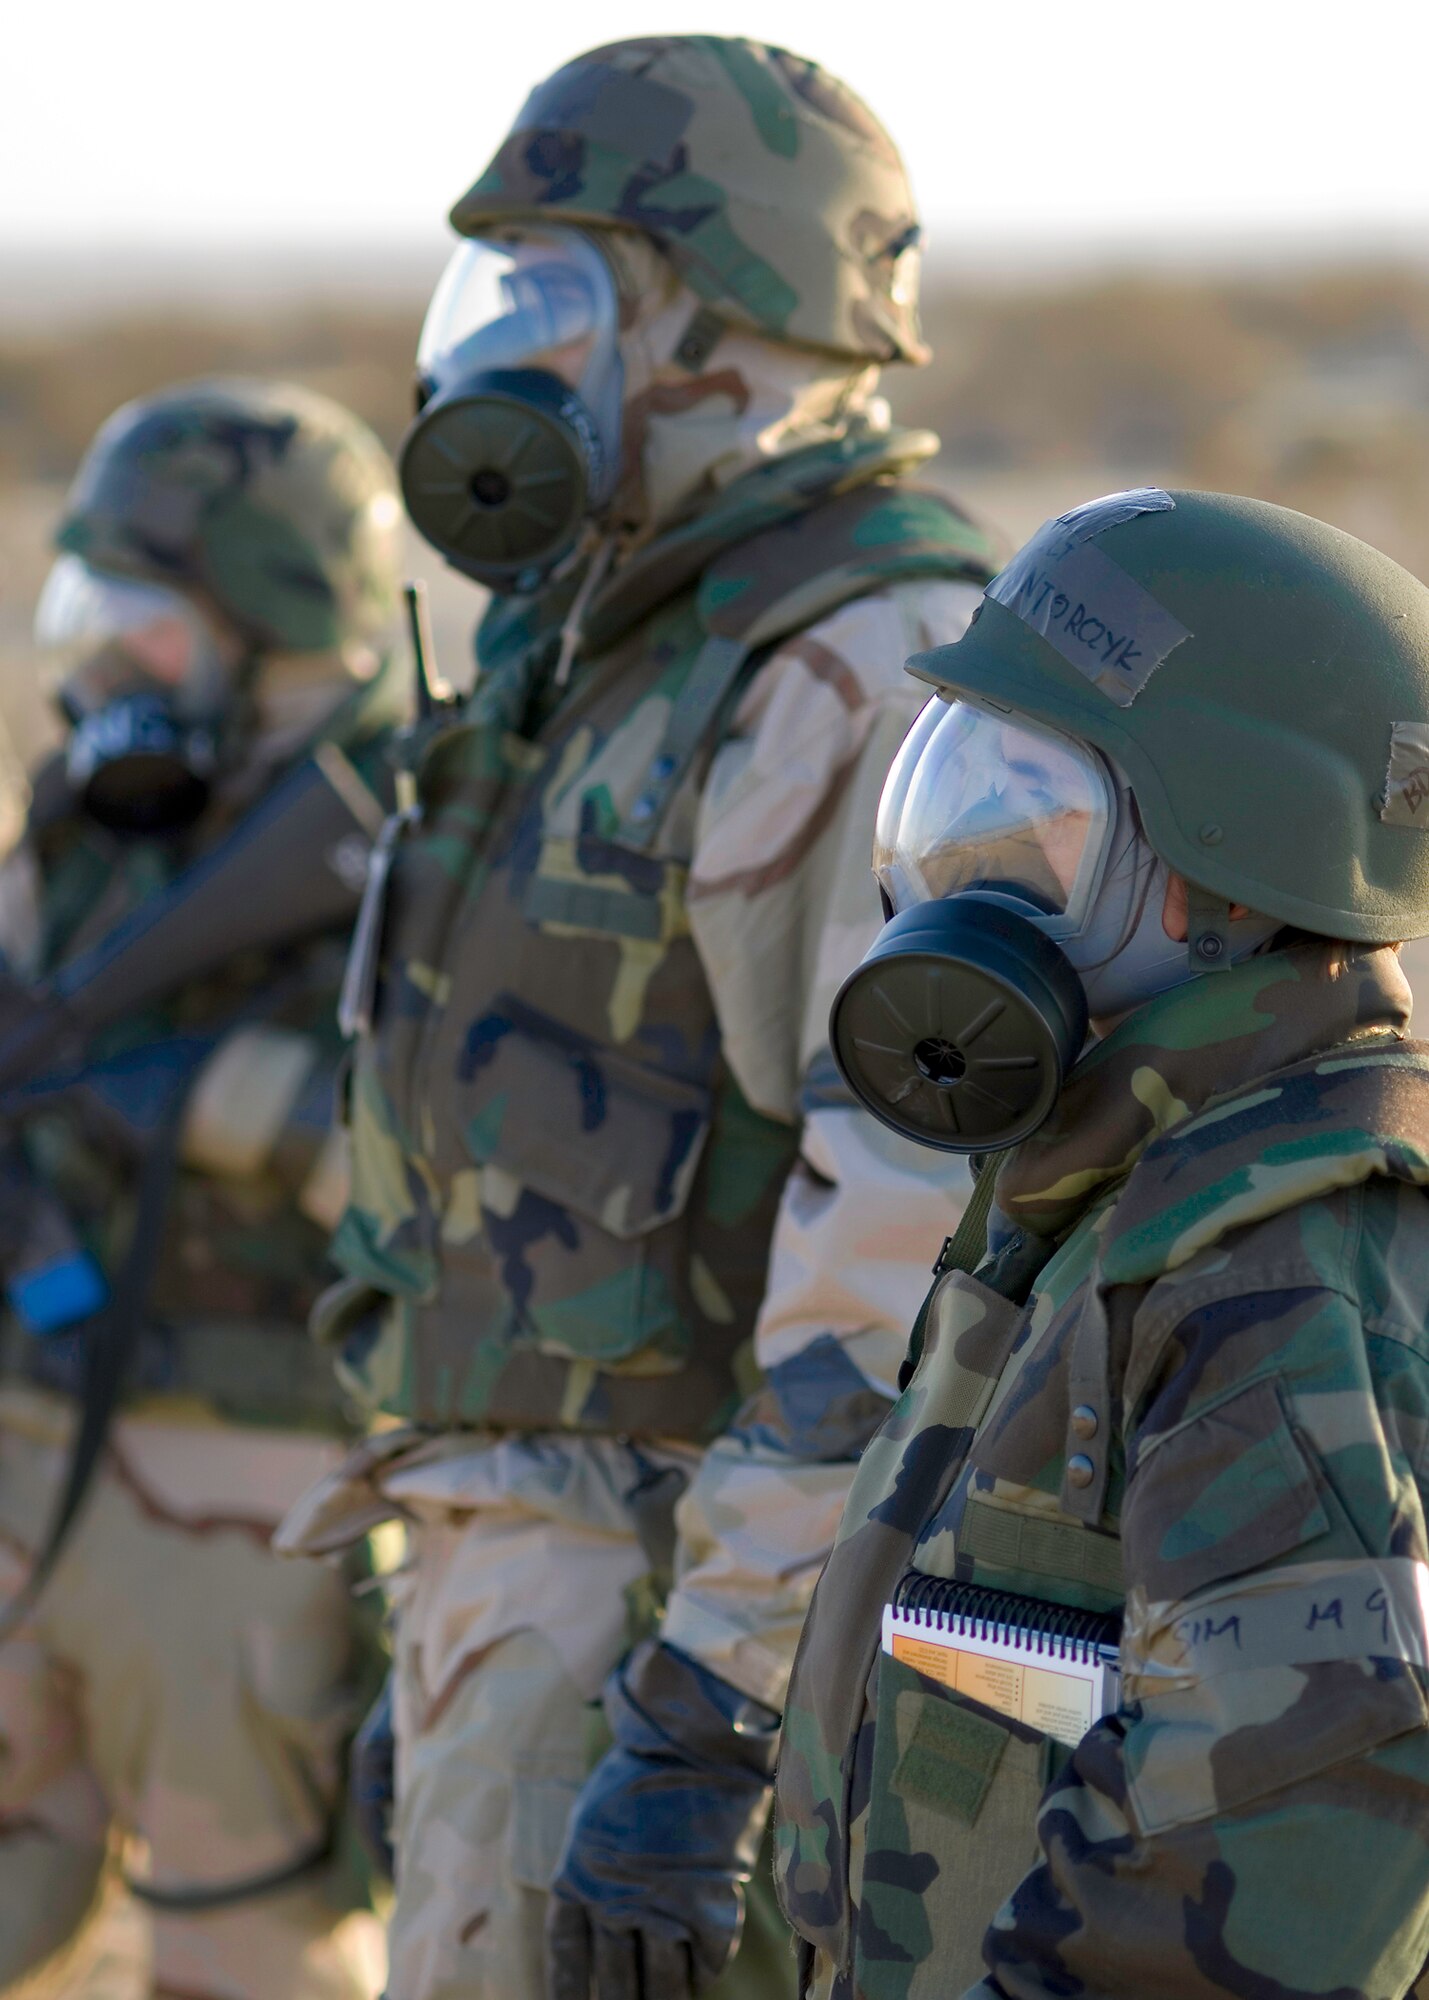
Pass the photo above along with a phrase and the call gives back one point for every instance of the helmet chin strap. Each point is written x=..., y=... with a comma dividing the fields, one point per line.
x=702, y=335
x=1208, y=930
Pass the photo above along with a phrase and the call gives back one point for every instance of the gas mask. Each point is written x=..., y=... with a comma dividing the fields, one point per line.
x=1023, y=899
x=517, y=438
x=144, y=682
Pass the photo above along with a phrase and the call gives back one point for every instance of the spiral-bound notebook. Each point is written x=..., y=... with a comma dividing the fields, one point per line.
x=1045, y=1665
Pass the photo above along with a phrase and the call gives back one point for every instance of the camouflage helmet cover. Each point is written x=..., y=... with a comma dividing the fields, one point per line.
x=770, y=186
x=277, y=503
x=1263, y=680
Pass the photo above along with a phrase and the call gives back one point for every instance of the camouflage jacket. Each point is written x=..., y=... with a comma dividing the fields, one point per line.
x=260, y=1178
x=563, y=1185
x=1211, y=1408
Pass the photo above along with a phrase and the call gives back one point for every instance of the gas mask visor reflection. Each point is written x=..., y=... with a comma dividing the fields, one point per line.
x=992, y=837
x=977, y=801
x=517, y=437
x=143, y=681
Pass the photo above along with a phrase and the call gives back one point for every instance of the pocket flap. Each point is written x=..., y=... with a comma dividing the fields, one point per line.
x=1228, y=1490
x=610, y=1139
x=951, y=1756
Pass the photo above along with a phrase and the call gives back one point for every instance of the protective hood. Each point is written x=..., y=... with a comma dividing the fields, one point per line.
x=706, y=400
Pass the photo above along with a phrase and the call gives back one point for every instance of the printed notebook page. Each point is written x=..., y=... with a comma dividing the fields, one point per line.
x=1056, y=1685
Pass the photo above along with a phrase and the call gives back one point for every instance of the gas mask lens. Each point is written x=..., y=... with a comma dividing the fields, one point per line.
x=143, y=681
x=980, y=802
x=517, y=437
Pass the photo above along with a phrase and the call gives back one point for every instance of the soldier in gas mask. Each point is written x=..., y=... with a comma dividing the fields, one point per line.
x=1115, y=1680
x=617, y=1231
x=213, y=632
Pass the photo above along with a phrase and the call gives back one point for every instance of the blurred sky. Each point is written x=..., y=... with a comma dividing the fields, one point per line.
x=1040, y=128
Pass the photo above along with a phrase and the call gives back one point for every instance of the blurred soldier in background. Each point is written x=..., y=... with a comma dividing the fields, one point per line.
x=171, y=1691
x=617, y=1232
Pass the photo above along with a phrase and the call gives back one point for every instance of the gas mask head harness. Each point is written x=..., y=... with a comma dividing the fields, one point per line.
x=516, y=443
x=1022, y=898
x=145, y=682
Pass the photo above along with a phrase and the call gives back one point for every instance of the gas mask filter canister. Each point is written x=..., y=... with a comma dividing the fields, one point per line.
x=516, y=443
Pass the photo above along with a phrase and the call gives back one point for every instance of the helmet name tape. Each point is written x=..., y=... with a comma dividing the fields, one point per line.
x=1406, y=784
x=1099, y=619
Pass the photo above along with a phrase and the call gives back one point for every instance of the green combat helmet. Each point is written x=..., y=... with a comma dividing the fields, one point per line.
x=768, y=184
x=1239, y=691
x=277, y=503
x=1262, y=679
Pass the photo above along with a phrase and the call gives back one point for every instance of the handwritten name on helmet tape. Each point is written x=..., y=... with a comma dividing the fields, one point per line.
x=1406, y=784
x=1099, y=619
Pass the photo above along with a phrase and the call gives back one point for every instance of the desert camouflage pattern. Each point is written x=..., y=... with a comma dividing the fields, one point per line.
x=168, y=1607
x=1225, y=1233
x=692, y=423
x=274, y=503
x=533, y=1565
x=599, y=1267
x=125, y=1718
x=770, y=186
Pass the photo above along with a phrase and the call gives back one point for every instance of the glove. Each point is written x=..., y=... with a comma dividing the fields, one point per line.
x=370, y=1782
x=648, y=1900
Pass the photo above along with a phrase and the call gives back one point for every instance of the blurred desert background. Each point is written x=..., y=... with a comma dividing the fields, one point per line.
x=1307, y=383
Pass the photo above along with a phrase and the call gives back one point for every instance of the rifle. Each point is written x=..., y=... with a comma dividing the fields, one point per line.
x=292, y=868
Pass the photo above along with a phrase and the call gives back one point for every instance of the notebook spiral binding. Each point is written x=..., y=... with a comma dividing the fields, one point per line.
x=1027, y=1624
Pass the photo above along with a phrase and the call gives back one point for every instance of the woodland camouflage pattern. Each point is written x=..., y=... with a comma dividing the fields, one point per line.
x=597, y=1268
x=769, y=185
x=275, y=503
x=1234, y=1183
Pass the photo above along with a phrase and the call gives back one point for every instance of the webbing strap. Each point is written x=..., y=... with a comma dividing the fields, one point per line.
x=222, y=1895
x=711, y=680
x=962, y=1251
x=110, y=1344
x=588, y=907
x=997, y=1536
x=967, y=1247
x=1208, y=937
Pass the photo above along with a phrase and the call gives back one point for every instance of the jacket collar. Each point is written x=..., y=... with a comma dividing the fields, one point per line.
x=1206, y=1040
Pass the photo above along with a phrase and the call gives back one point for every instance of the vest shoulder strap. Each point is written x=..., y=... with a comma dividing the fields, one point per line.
x=786, y=579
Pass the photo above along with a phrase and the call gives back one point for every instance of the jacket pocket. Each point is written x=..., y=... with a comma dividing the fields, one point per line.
x=1229, y=1490
x=584, y=1161
x=952, y=1829
x=1218, y=1511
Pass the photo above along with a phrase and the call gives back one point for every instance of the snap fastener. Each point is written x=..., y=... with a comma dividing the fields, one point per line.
x=663, y=767
x=1080, y=1470
x=643, y=808
x=1084, y=1421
